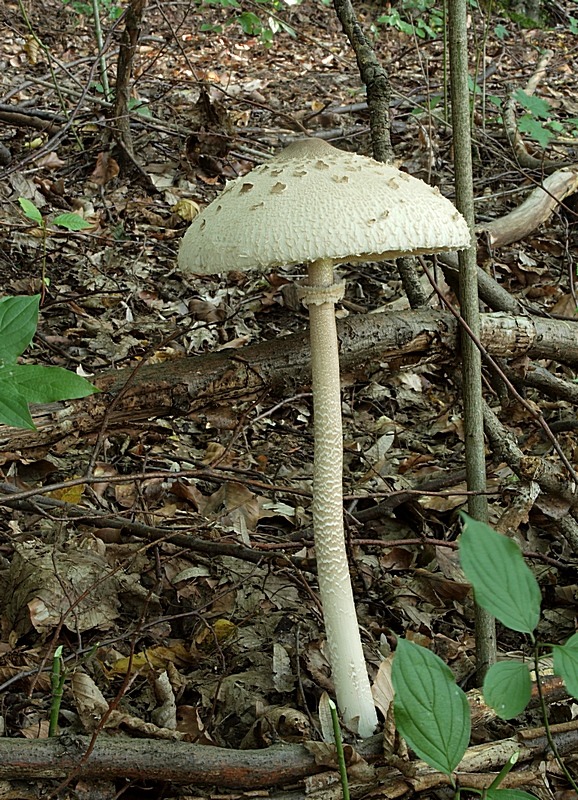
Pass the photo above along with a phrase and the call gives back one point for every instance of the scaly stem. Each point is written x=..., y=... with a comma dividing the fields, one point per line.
x=348, y=666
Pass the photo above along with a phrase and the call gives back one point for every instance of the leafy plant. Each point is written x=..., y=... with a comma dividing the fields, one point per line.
x=21, y=384
x=431, y=711
x=536, y=122
x=421, y=18
x=68, y=220
x=250, y=23
x=108, y=8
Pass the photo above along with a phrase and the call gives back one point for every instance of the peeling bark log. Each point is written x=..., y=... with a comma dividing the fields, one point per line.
x=369, y=341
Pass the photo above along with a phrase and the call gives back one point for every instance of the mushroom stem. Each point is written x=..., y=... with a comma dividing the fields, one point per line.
x=346, y=656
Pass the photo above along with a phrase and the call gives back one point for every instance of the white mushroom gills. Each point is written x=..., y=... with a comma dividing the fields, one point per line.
x=320, y=206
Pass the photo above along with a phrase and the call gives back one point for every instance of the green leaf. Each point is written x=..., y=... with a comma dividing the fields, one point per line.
x=508, y=688
x=536, y=130
x=48, y=384
x=30, y=210
x=72, y=222
x=502, y=582
x=431, y=712
x=18, y=321
x=249, y=22
x=140, y=107
x=501, y=32
x=13, y=407
x=566, y=663
x=535, y=105
x=508, y=794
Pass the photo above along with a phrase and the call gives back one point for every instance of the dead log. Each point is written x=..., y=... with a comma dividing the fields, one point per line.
x=187, y=385
x=181, y=762
x=153, y=760
x=534, y=211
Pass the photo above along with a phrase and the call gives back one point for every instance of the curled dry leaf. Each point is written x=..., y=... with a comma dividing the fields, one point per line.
x=89, y=700
x=165, y=714
x=50, y=585
x=105, y=170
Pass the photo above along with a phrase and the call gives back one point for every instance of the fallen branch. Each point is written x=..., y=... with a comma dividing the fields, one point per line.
x=180, y=762
x=187, y=385
x=26, y=118
x=534, y=468
x=535, y=210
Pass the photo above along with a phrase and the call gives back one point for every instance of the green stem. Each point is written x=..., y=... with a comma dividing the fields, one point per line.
x=101, y=54
x=544, y=710
x=505, y=769
x=57, y=684
x=339, y=749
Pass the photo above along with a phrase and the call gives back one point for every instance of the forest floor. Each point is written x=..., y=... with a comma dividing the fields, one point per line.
x=220, y=648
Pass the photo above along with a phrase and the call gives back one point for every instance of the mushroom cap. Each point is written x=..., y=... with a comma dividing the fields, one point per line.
x=313, y=201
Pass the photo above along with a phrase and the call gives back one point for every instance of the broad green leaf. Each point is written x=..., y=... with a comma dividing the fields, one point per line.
x=566, y=663
x=249, y=22
x=509, y=794
x=18, y=321
x=536, y=130
x=535, y=105
x=431, y=711
x=72, y=222
x=503, y=584
x=48, y=384
x=508, y=688
x=13, y=407
x=30, y=210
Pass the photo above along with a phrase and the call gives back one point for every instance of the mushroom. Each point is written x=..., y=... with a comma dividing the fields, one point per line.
x=318, y=205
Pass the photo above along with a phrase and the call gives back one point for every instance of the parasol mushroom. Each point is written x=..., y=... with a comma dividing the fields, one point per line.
x=317, y=205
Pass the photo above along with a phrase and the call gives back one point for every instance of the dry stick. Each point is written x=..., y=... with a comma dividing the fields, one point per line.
x=20, y=120
x=539, y=378
x=536, y=208
x=150, y=533
x=485, y=625
x=206, y=765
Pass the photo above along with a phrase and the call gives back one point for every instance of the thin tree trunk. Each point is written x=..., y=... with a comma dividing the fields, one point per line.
x=124, y=69
x=378, y=90
x=485, y=626
x=375, y=79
